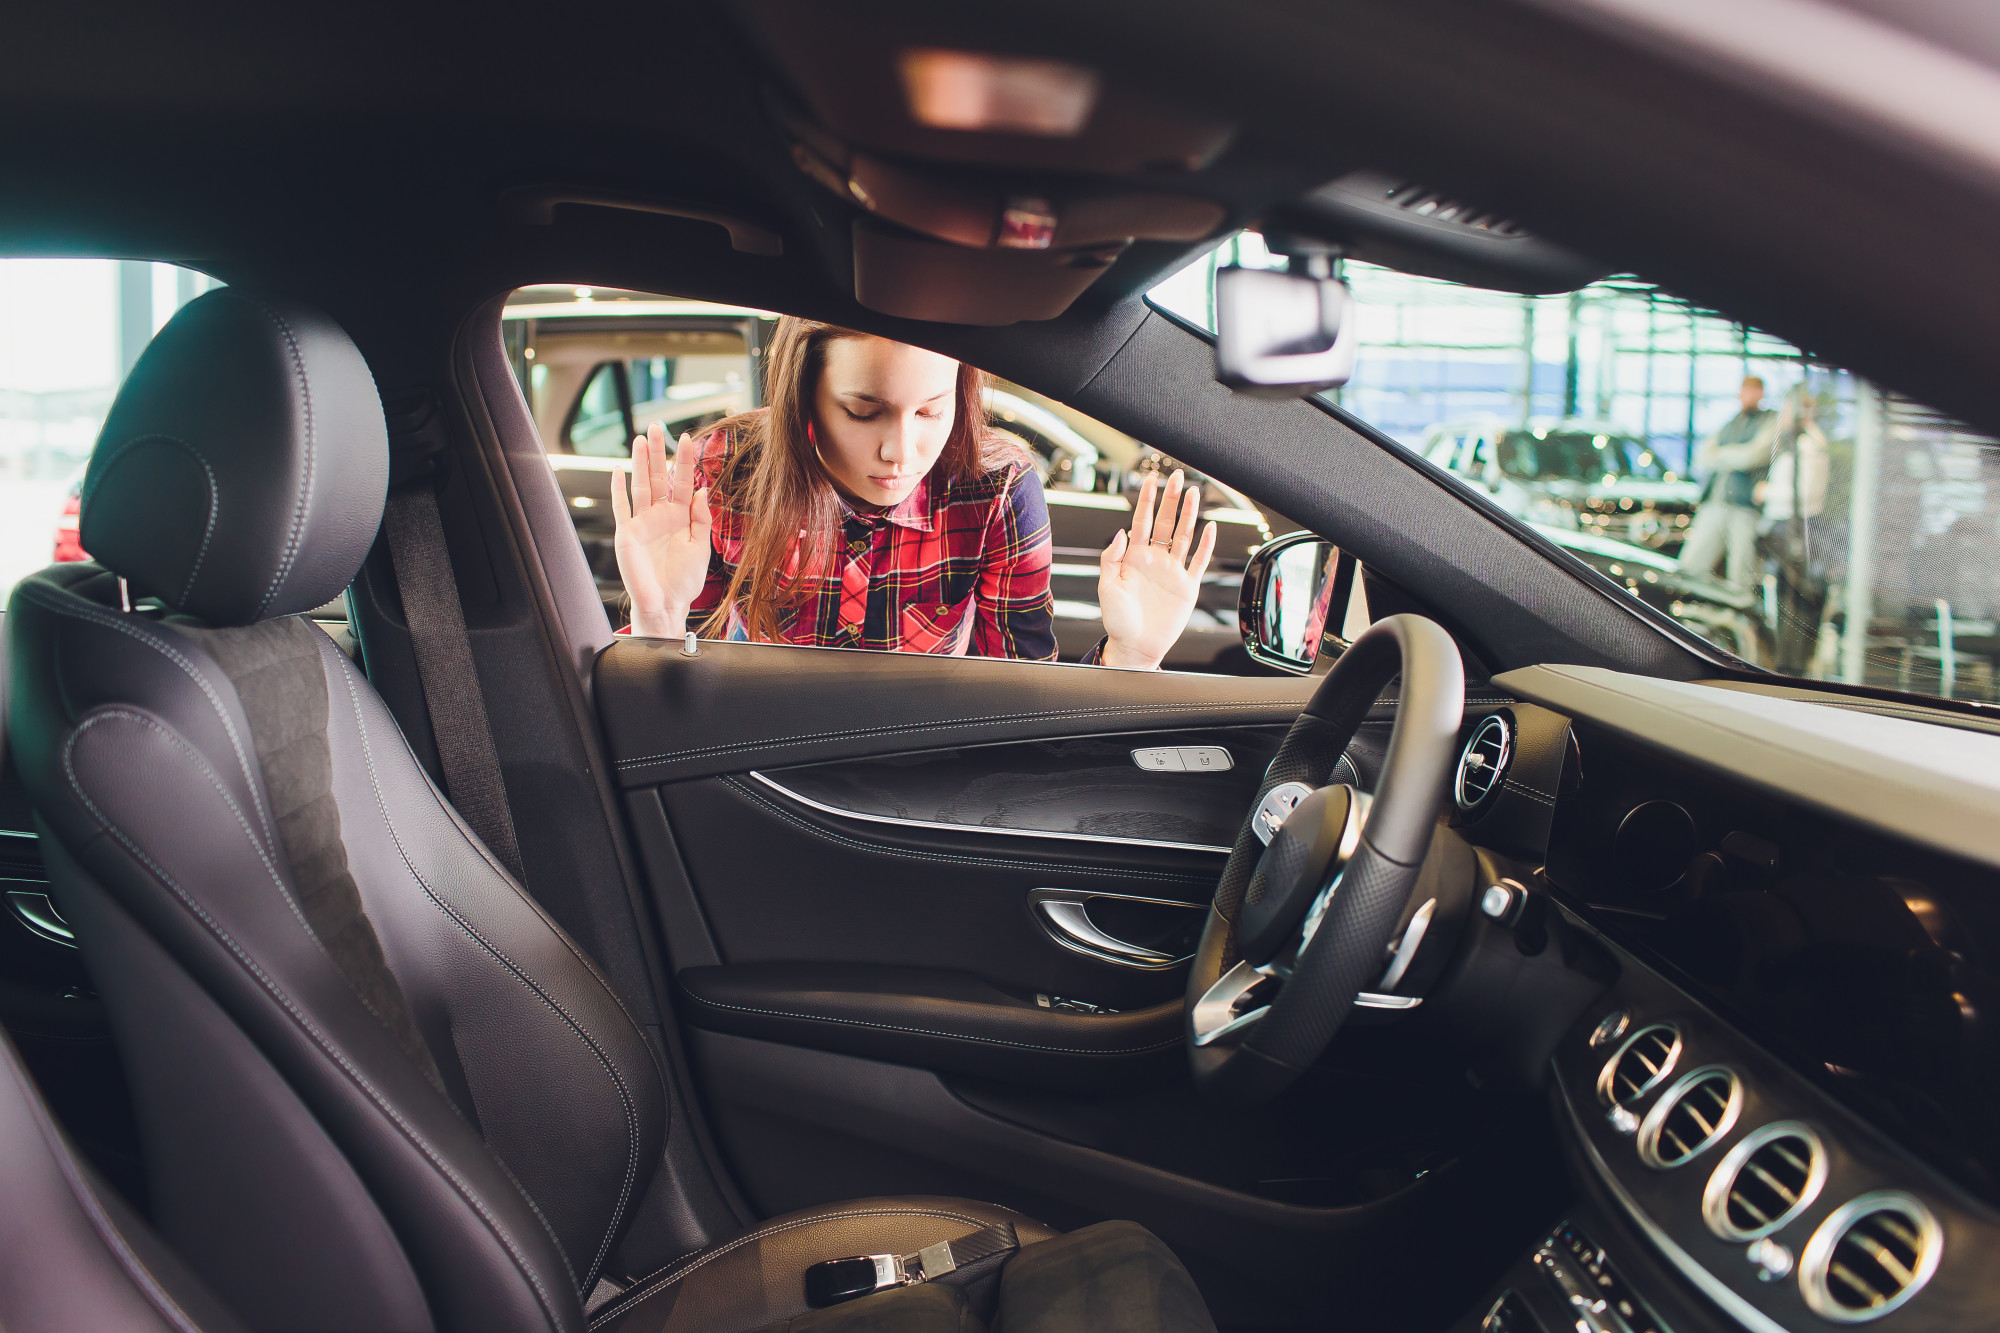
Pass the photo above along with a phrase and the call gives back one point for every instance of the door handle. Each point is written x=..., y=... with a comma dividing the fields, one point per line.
x=1064, y=915
x=38, y=913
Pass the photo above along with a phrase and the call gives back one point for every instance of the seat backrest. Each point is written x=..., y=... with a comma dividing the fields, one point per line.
x=72, y=1253
x=374, y=1080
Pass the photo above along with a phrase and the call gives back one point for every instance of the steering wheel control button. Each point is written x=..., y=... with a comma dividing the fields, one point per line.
x=1309, y=852
x=1160, y=759
x=1274, y=809
x=1772, y=1260
x=1206, y=759
x=1610, y=1028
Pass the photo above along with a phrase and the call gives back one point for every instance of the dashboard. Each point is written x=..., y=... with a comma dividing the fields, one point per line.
x=1785, y=1112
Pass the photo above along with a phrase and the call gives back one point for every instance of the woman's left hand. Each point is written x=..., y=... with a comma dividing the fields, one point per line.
x=1146, y=584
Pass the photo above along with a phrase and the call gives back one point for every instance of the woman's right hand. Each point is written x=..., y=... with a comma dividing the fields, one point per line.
x=663, y=534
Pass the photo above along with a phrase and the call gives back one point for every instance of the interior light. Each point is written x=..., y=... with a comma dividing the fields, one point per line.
x=1609, y=479
x=970, y=90
x=583, y=294
x=528, y=352
x=1598, y=441
x=1646, y=460
x=1672, y=477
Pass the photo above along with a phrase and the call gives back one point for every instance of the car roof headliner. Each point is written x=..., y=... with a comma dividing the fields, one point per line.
x=356, y=154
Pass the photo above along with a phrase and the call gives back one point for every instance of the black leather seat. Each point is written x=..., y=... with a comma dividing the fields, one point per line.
x=378, y=1087
x=72, y=1253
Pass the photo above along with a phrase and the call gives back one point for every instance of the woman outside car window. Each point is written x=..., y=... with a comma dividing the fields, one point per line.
x=871, y=506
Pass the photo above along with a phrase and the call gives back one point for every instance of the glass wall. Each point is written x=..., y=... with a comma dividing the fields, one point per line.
x=69, y=331
x=1806, y=521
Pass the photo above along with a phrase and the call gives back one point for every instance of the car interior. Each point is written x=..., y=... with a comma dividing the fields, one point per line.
x=1456, y=936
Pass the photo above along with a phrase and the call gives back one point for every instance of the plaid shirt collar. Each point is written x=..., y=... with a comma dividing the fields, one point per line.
x=913, y=511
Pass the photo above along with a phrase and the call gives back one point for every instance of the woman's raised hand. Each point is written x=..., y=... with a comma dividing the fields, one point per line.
x=1146, y=583
x=663, y=534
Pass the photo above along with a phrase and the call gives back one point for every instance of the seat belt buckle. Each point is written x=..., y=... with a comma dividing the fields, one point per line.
x=832, y=1281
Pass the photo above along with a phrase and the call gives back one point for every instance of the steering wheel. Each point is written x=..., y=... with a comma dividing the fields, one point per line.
x=1320, y=874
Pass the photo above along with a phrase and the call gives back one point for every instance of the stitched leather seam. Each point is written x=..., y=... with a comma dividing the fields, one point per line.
x=92, y=1209
x=993, y=720
x=208, y=530
x=305, y=1024
x=626, y=1300
x=928, y=1032
x=61, y=604
x=590, y=1043
x=311, y=453
x=1168, y=876
x=1522, y=789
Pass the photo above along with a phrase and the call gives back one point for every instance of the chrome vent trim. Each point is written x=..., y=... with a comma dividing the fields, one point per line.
x=1482, y=765
x=1691, y=1117
x=1768, y=1178
x=1869, y=1257
x=1641, y=1064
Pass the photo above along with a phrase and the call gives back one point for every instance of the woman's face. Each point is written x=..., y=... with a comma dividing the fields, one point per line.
x=882, y=413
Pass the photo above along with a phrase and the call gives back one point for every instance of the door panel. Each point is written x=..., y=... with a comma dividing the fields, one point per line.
x=851, y=855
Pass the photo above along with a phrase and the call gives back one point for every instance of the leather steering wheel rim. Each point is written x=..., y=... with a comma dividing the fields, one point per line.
x=1345, y=952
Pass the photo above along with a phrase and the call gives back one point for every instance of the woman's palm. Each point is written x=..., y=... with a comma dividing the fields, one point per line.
x=1146, y=586
x=663, y=534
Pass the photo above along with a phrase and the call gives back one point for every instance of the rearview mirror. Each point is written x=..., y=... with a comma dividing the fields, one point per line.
x=1291, y=586
x=1283, y=334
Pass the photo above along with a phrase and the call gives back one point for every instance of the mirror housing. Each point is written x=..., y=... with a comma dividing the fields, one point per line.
x=1284, y=334
x=1286, y=609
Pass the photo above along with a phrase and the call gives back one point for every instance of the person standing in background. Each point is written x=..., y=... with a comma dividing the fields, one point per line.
x=1792, y=495
x=1726, y=521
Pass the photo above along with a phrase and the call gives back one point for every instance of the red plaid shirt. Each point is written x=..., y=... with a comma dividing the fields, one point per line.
x=958, y=567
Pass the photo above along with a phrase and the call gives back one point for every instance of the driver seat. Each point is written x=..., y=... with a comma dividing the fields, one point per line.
x=378, y=1087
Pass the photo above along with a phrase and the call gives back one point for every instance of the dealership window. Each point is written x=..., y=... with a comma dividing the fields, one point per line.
x=1866, y=527
x=598, y=365
x=70, y=329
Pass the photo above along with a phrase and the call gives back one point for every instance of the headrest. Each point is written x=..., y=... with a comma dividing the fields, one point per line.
x=241, y=472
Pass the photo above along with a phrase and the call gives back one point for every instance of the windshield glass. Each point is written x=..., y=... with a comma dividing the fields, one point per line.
x=1786, y=509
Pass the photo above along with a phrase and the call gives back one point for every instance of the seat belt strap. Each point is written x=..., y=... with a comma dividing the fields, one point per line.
x=452, y=697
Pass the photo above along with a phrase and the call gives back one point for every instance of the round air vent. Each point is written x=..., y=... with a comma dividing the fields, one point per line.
x=1771, y=1176
x=1645, y=1059
x=1690, y=1117
x=1870, y=1256
x=1484, y=764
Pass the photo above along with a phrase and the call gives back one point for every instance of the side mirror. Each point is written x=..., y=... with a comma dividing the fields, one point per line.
x=1293, y=602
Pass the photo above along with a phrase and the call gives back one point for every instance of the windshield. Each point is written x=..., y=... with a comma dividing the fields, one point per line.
x=1787, y=510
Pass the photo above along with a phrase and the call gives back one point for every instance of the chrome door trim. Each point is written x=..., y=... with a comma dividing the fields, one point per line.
x=1064, y=915
x=823, y=808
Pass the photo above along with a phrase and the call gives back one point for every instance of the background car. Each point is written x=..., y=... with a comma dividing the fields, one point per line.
x=1571, y=473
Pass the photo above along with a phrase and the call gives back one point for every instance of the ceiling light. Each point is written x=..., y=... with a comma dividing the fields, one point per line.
x=969, y=90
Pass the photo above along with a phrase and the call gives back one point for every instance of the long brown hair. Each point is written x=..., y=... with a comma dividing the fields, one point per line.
x=775, y=480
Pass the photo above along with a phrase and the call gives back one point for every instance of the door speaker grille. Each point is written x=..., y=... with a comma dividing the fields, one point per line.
x=1690, y=1117
x=1771, y=1176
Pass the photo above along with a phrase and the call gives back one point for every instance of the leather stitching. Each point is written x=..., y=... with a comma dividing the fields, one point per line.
x=927, y=1032
x=1522, y=789
x=92, y=1208
x=63, y=604
x=626, y=1103
x=214, y=502
x=993, y=720
x=1168, y=876
x=311, y=454
x=646, y=1287
x=299, y=1017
